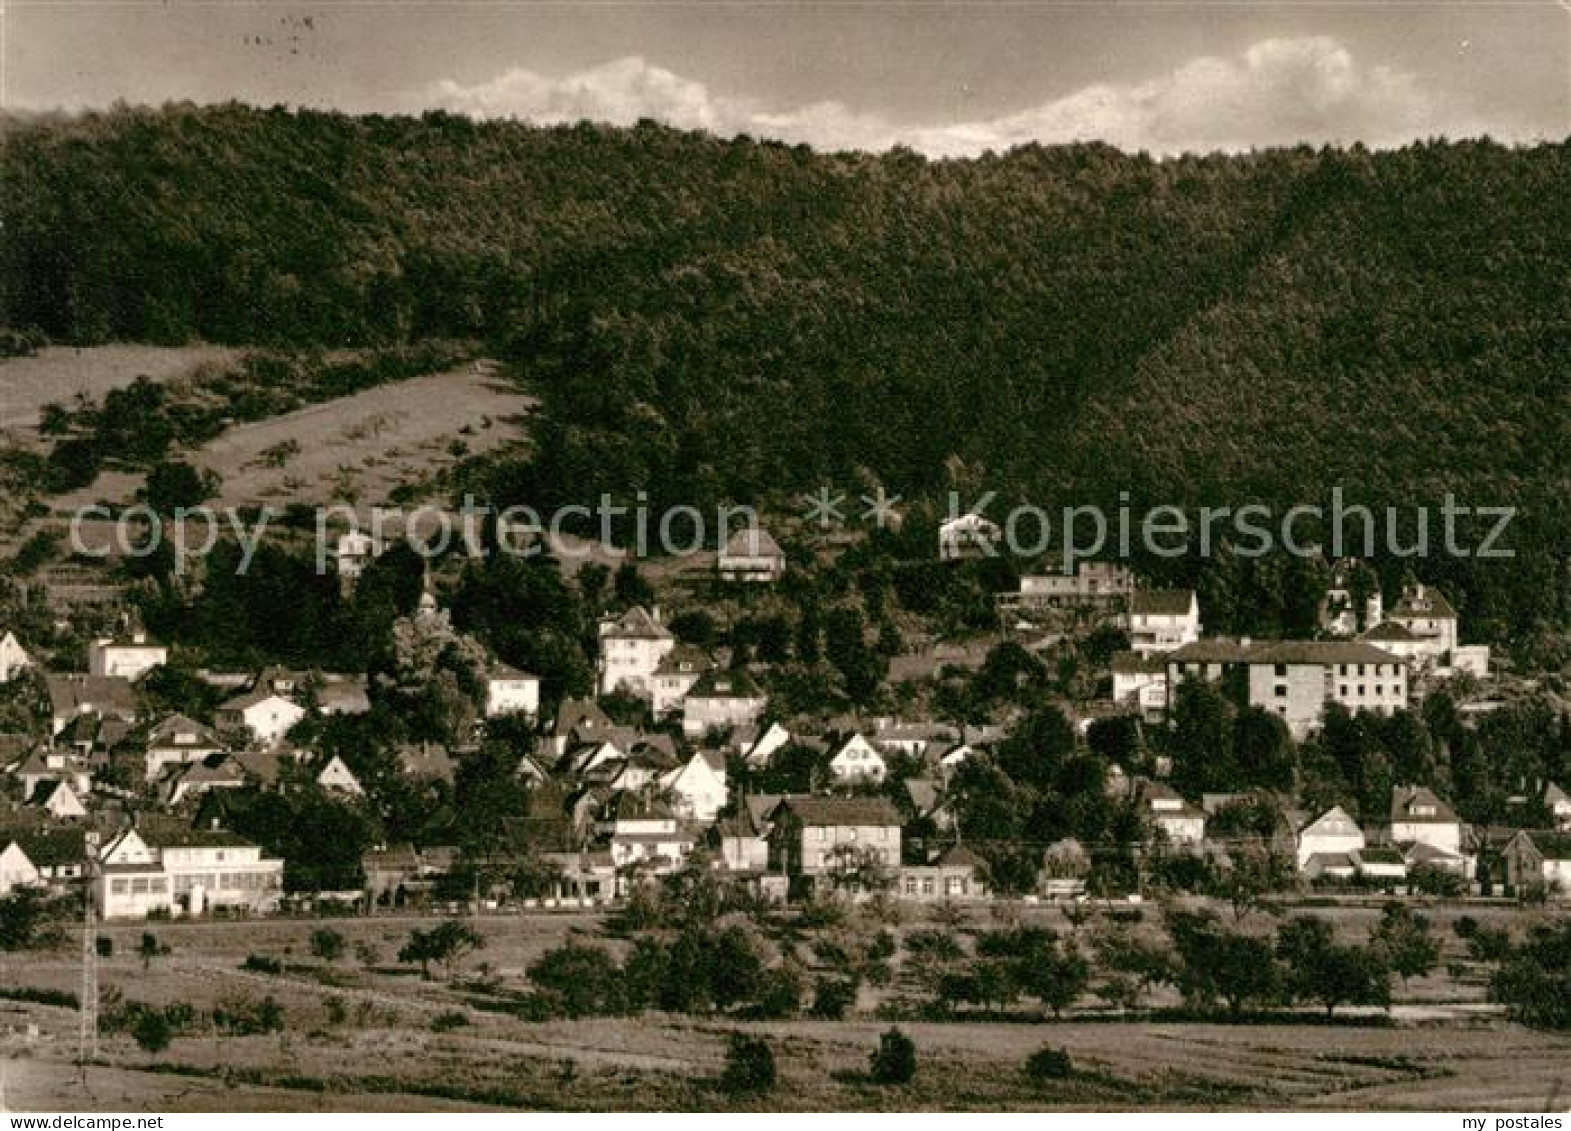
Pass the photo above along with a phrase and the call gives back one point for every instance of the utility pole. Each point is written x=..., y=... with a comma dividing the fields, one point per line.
x=87, y=1034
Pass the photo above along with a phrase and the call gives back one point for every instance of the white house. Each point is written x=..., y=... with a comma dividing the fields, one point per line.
x=968, y=536
x=178, y=741
x=59, y=800
x=13, y=657
x=128, y=657
x=631, y=648
x=759, y=752
x=857, y=760
x=336, y=777
x=699, y=785
x=184, y=871
x=1419, y=817
x=1178, y=820
x=509, y=691
x=751, y=554
x=721, y=701
x=267, y=715
x=678, y=670
x=1558, y=805
x=1425, y=613
x=16, y=868
x=356, y=549
x=1140, y=682
x=1328, y=844
x=1160, y=620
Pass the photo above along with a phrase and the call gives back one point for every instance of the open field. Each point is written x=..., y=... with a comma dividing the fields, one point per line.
x=57, y=374
x=353, y=449
x=375, y=1046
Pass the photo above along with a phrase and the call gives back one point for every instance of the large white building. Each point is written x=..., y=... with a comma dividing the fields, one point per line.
x=1296, y=679
x=631, y=648
x=509, y=691
x=184, y=872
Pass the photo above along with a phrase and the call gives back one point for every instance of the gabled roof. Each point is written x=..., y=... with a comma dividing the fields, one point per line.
x=752, y=542
x=248, y=699
x=684, y=659
x=1423, y=602
x=1408, y=801
x=960, y=856
x=426, y=760
x=1320, y=652
x=163, y=733
x=50, y=848
x=1162, y=602
x=636, y=623
x=1554, y=795
x=170, y=834
x=1391, y=632
x=575, y=713
x=1133, y=663
x=841, y=811
x=499, y=670
x=731, y=684
x=107, y=694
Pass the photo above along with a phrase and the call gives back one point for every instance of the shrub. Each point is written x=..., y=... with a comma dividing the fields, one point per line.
x=327, y=944
x=1048, y=1063
x=105, y=946
x=151, y=1031
x=749, y=1065
x=579, y=980
x=894, y=1061
x=832, y=997
x=448, y=1020
x=262, y=964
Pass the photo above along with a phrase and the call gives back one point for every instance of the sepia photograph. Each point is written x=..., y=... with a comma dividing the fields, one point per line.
x=785, y=556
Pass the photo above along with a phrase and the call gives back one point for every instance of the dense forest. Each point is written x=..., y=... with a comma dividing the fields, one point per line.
x=715, y=319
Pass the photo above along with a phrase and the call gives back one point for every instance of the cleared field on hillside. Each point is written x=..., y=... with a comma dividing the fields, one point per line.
x=59, y=373
x=381, y=1051
x=352, y=449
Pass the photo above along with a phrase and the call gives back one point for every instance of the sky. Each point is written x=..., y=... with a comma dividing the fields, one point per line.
x=947, y=79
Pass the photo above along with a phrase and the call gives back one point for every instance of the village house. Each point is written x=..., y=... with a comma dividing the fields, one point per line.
x=1419, y=817
x=1177, y=820
x=698, y=785
x=1558, y=806
x=646, y=835
x=678, y=671
x=187, y=782
x=857, y=760
x=751, y=554
x=73, y=695
x=1352, y=601
x=720, y=701
x=1538, y=857
x=92, y=738
x=577, y=721
x=1092, y=583
x=741, y=842
x=59, y=800
x=631, y=648
x=957, y=874
x=51, y=764
x=1425, y=613
x=128, y=657
x=16, y=867
x=968, y=536
x=13, y=658
x=509, y=691
x=336, y=777
x=1327, y=844
x=186, y=872
x=263, y=714
x=1160, y=620
x=356, y=549
x=178, y=741
x=1065, y=866
x=1140, y=683
x=829, y=836
x=761, y=750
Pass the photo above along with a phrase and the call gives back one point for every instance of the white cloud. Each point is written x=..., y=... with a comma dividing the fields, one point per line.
x=1278, y=92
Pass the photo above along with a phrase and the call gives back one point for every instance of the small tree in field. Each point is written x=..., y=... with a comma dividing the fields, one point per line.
x=1406, y=941
x=749, y=1065
x=151, y=1031
x=447, y=943
x=894, y=1061
x=327, y=944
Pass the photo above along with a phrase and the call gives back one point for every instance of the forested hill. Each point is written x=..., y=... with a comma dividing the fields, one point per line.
x=713, y=318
